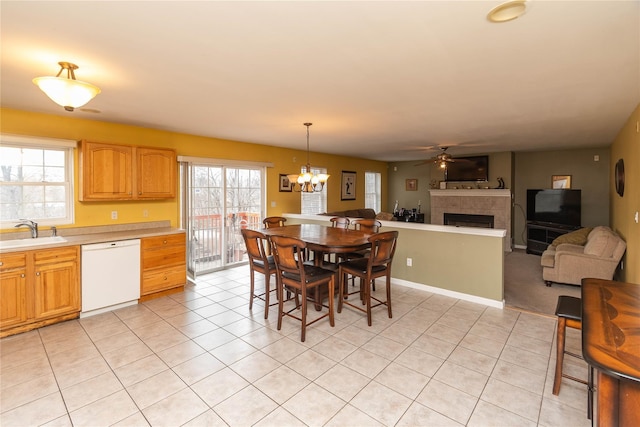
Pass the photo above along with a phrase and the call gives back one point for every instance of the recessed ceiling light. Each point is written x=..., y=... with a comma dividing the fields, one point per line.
x=507, y=11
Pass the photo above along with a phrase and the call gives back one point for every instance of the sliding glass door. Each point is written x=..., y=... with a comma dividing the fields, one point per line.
x=217, y=202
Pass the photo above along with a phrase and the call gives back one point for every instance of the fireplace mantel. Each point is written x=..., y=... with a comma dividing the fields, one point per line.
x=494, y=202
x=472, y=193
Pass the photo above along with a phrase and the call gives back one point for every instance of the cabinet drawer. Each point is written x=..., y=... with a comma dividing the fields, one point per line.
x=12, y=261
x=165, y=257
x=163, y=241
x=46, y=256
x=159, y=280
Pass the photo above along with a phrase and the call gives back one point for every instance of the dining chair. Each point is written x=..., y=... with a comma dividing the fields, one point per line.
x=293, y=272
x=340, y=222
x=377, y=264
x=261, y=262
x=274, y=221
x=367, y=225
x=569, y=314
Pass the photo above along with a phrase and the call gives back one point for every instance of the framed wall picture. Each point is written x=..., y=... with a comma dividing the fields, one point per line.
x=561, y=181
x=348, y=186
x=411, y=185
x=285, y=184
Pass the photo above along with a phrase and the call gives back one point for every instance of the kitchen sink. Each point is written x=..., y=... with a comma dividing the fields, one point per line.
x=24, y=243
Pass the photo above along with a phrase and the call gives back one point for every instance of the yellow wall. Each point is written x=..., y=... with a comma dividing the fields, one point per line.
x=99, y=213
x=623, y=209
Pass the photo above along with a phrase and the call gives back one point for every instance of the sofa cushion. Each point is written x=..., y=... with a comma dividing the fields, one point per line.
x=601, y=243
x=577, y=237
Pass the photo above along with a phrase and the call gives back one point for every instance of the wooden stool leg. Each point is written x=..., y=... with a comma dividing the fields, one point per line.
x=557, y=379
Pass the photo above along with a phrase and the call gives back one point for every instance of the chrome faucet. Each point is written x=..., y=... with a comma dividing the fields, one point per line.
x=33, y=226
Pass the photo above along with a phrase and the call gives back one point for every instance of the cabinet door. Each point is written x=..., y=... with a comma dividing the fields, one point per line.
x=57, y=284
x=106, y=172
x=13, y=282
x=156, y=173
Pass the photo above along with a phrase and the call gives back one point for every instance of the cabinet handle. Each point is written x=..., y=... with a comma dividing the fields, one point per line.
x=164, y=242
x=165, y=277
x=139, y=193
x=22, y=275
x=1, y=263
x=37, y=273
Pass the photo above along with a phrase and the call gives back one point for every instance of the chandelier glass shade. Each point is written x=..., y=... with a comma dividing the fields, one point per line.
x=67, y=91
x=308, y=182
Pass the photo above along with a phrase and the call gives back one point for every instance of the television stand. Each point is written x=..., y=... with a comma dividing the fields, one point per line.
x=540, y=235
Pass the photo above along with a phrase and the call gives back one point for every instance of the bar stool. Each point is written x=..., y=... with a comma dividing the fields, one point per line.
x=569, y=313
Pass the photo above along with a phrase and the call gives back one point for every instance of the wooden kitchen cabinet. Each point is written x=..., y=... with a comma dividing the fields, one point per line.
x=39, y=288
x=163, y=265
x=13, y=280
x=123, y=172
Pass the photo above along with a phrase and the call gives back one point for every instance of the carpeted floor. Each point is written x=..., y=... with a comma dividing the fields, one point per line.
x=524, y=288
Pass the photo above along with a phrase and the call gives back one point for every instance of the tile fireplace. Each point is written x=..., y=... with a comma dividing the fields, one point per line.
x=475, y=205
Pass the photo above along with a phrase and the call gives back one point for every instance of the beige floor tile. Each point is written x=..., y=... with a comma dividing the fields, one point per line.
x=420, y=416
x=434, y=346
x=343, y=382
x=161, y=342
x=233, y=351
x=314, y=406
x=385, y=347
x=25, y=372
x=242, y=327
x=198, y=368
x=284, y=350
x=526, y=359
x=281, y=384
x=473, y=360
x=28, y=391
x=153, y=389
x=403, y=380
x=180, y=353
x=464, y=379
x=280, y=418
x=106, y=411
x=126, y=355
x=487, y=414
x=335, y=348
x=197, y=328
x=80, y=371
x=419, y=361
x=246, y=407
x=401, y=334
x=35, y=413
x=553, y=413
x=310, y=364
x=91, y=390
x=214, y=339
x=381, y=403
x=218, y=386
x=135, y=420
x=521, y=377
x=116, y=341
x=175, y=410
x=482, y=345
x=365, y=362
x=351, y=416
x=448, y=401
x=140, y=370
x=513, y=399
x=255, y=366
x=206, y=419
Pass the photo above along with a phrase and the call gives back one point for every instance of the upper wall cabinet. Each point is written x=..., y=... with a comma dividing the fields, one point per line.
x=122, y=172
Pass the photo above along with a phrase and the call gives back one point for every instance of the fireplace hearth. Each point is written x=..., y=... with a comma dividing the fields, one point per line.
x=468, y=220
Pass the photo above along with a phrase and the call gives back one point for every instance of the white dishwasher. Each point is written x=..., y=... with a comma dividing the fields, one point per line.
x=110, y=276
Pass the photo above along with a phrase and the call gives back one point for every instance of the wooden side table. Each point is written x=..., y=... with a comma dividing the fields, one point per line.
x=611, y=344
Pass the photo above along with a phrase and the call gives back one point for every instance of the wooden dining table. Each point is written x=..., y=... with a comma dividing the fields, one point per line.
x=322, y=239
x=611, y=344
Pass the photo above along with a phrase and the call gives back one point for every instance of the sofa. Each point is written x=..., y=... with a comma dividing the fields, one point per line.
x=569, y=263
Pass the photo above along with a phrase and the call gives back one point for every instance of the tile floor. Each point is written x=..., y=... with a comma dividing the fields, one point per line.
x=201, y=358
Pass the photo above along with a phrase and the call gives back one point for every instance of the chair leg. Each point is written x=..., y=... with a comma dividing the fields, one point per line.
x=267, y=291
x=331, y=285
x=280, y=303
x=389, y=295
x=253, y=291
x=304, y=312
x=367, y=298
x=560, y=340
x=341, y=293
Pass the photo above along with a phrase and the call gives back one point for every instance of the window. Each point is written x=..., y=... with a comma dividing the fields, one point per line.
x=372, y=196
x=36, y=180
x=314, y=203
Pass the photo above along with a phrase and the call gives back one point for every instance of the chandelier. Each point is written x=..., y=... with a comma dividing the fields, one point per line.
x=308, y=182
x=67, y=91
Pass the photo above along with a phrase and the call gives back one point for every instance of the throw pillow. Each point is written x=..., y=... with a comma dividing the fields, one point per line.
x=578, y=237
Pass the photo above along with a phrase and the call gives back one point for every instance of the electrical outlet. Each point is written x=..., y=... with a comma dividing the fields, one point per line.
x=409, y=262
x=114, y=214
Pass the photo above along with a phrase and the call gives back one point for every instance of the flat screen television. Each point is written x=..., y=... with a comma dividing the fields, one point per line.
x=554, y=206
x=475, y=168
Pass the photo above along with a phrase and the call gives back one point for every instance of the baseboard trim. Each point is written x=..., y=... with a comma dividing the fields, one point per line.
x=449, y=293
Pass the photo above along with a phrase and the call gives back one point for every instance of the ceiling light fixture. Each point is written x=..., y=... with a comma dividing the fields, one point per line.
x=67, y=91
x=308, y=182
x=507, y=11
